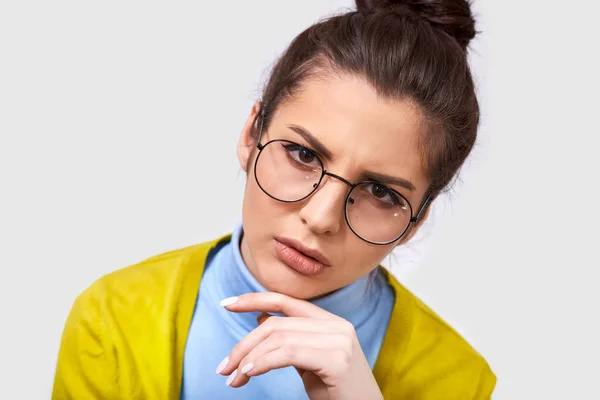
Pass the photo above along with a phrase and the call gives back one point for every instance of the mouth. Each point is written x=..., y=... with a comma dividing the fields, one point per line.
x=300, y=258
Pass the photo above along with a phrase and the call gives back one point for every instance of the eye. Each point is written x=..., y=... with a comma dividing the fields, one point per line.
x=305, y=156
x=301, y=154
x=379, y=191
x=385, y=195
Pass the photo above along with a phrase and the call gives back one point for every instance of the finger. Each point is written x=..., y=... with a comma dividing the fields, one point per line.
x=277, y=324
x=284, y=339
x=275, y=303
x=321, y=362
x=262, y=318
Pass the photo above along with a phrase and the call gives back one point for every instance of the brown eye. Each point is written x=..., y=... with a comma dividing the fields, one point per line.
x=379, y=191
x=301, y=155
x=305, y=156
x=384, y=195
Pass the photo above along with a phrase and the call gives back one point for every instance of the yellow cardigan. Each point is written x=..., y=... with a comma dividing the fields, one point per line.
x=125, y=338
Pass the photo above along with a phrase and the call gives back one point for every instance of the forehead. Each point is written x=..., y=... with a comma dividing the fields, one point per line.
x=363, y=130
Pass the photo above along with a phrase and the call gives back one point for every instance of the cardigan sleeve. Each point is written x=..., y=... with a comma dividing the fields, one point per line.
x=86, y=367
x=487, y=383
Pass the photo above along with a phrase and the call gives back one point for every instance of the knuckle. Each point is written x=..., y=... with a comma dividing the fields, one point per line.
x=290, y=353
x=278, y=337
x=278, y=302
x=342, y=360
x=233, y=355
x=270, y=324
x=348, y=328
x=346, y=343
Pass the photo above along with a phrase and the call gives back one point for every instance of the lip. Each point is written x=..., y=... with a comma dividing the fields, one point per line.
x=312, y=253
x=297, y=261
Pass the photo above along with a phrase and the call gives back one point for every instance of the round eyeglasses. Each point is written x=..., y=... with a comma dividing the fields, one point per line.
x=289, y=172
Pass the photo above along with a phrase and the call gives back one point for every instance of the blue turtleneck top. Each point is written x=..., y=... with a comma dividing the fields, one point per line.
x=214, y=330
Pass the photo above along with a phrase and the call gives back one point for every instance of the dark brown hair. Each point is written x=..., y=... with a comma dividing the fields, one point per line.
x=414, y=50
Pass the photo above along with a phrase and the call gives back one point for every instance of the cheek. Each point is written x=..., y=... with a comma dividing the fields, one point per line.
x=260, y=208
x=359, y=257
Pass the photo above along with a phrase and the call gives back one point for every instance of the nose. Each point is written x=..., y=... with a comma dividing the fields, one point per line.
x=323, y=211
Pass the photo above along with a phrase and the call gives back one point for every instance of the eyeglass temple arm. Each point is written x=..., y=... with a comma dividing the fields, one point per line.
x=422, y=209
x=260, y=129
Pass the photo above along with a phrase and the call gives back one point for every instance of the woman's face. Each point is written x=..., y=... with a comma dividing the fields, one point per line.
x=362, y=132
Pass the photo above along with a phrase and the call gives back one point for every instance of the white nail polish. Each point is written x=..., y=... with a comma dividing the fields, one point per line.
x=231, y=378
x=229, y=301
x=222, y=365
x=247, y=368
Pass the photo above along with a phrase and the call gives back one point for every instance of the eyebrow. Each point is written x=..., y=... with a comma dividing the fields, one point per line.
x=313, y=141
x=368, y=175
x=389, y=180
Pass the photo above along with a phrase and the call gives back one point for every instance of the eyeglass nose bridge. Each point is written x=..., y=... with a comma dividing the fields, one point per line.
x=339, y=178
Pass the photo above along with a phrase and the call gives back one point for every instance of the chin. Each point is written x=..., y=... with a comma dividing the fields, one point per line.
x=281, y=279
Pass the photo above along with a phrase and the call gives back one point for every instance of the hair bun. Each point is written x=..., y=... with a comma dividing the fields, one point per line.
x=452, y=16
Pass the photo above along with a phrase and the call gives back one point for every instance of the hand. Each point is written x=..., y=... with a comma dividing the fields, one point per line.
x=321, y=346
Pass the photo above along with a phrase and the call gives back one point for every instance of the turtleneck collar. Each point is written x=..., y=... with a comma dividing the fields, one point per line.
x=231, y=277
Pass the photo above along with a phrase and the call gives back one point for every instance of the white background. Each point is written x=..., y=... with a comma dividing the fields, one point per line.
x=119, y=122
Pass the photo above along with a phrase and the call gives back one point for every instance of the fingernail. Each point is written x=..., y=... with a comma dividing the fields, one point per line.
x=222, y=365
x=247, y=368
x=231, y=378
x=229, y=301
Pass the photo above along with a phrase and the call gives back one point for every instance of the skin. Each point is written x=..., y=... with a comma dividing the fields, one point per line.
x=363, y=131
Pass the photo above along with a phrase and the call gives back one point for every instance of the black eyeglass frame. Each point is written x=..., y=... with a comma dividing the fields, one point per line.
x=324, y=172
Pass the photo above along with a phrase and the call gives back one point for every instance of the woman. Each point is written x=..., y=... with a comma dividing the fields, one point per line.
x=364, y=120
